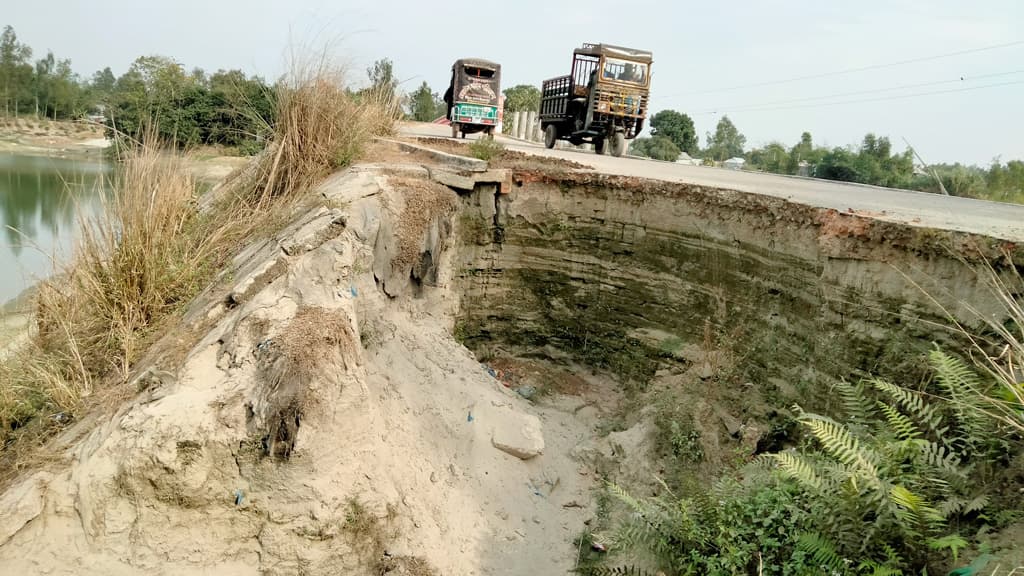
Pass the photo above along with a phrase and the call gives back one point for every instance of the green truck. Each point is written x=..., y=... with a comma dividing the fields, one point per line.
x=473, y=96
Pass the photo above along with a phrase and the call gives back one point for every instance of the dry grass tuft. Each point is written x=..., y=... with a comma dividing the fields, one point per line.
x=1007, y=364
x=311, y=335
x=370, y=536
x=424, y=200
x=320, y=126
x=997, y=349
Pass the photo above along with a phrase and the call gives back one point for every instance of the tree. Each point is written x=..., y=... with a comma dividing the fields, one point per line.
x=772, y=158
x=677, y=127
x=522, y=98
x=727, y=142
x=43, y=82
x=66, y=98
x=156, y=92
x=839, y=164
x=103, y=81
x=382, y=79
x=15, y=72
x=659, y=148
x=1006, y=181
x=804, y=151
x=424, y=105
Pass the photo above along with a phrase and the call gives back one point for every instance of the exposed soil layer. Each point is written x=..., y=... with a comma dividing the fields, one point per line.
x=622, y=274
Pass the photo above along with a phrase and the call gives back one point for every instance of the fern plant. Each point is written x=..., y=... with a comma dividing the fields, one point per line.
x=897, y=475
x=734, y=528
x=880, y=492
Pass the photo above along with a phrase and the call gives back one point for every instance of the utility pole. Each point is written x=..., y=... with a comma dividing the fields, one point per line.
x=925, y=165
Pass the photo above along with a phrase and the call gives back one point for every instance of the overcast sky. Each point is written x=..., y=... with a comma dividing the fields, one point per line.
x=699, y=49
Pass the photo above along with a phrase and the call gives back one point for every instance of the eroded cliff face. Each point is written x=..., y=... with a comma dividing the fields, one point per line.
x=324, y=372
x=627, y=275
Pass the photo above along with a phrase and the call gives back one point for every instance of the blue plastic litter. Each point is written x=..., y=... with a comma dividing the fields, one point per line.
x=492, y=372
x=353, y=290
x=238, y=497
x=469, y=417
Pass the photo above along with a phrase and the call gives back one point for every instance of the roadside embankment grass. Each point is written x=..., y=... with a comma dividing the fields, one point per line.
x=155, y=246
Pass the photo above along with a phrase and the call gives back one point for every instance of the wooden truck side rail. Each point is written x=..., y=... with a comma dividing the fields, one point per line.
x=554, y=98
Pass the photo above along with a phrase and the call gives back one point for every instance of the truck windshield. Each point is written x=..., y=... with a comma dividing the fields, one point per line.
x=477, y=72
x=624, y=71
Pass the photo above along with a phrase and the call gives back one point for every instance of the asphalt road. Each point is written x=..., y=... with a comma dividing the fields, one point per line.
x=1005, y=221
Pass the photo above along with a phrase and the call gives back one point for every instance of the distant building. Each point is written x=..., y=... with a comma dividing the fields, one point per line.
x=803, y=168
x=734, y=163
x=685, y=158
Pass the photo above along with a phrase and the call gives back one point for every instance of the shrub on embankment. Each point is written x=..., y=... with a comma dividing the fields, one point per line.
x=155, y=247
x=903, y=480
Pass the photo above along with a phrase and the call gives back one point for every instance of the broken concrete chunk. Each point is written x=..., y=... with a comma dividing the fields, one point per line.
x=520, y=437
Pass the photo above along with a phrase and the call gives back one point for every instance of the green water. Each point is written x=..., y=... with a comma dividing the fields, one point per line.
x=40, y=201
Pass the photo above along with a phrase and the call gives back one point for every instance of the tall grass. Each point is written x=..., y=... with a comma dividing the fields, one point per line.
x=320, y=126
x=1006, y=365
x=997, y=348
x=155, y=246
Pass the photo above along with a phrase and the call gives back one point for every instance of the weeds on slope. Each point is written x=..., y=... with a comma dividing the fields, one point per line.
x=904, y=480
x=319, y=126
x=157, y=244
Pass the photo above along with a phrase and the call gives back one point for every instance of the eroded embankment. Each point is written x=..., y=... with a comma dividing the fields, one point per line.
x=326, y=421
x=629, y=276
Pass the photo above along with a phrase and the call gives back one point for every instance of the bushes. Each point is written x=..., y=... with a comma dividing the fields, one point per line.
x=730, y=529
x=486, y=148
x=182, y=110
x=896, y=488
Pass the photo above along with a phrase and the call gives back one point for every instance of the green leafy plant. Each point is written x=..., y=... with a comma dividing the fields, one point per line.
x=486, y=149
x=888, y=490
x=731, y=529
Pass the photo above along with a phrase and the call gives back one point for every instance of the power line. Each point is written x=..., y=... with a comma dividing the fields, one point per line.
x=882, y=99
x=742, y=107
x=849, y=70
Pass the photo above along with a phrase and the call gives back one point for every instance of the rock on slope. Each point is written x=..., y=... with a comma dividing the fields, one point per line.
x=329, y=374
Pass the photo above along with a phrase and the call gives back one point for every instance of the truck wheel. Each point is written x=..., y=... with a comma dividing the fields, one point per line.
x=455, y=129
x=618, y=144
x=599, y=146
x=550, y=136
x=490, y=132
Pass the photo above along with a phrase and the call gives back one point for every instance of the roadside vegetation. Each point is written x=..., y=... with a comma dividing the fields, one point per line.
x=485, y=149
x=900, y=480
x=156, y=246
x=871, y=162
x=177, y=108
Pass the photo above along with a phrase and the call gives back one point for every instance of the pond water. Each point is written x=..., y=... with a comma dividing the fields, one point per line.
x=41, y=199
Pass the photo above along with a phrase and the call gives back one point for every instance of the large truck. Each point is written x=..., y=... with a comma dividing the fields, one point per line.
x=603, y=100
x=473, y=96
